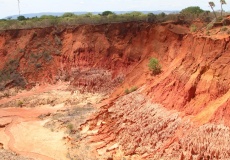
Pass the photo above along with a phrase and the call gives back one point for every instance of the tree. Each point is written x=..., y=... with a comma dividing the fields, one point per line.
x=106, y=13
x=21, y=18
x=88, y=15
x=151, y=17
x=192, y=10
x=162, y=14
x=212, y=5
x=47, y=17
x=222, y=2
x=68, y=14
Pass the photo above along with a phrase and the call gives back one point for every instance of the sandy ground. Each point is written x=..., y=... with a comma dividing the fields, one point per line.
x=22, y=132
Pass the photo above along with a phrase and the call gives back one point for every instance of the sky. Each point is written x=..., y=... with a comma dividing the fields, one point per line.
x=10, y=7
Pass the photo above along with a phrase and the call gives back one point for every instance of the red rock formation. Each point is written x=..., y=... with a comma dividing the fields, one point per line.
x=193, y=88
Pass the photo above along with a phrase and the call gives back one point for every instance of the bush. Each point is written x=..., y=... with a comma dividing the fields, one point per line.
x=127, y=91
x=70, y=127
x=192, y=10
x=132, y=89
x=224, y=29
x=21, y=18
x=38, y=65
x=193, y=28
x=68, y=14
x=20, y=103
x=154, y=66
x=106, y=13
x=47, y=56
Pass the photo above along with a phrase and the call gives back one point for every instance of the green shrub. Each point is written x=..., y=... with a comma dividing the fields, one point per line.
x=192, y=10
x=47, y=56
x=127, y=91
x=70, y=127
x=20, y=103
x=219, y=19
x=38, y=65
x=224, y=29
x=193, y=28
x=132, y=89
x=68, y=14
x=154, y=66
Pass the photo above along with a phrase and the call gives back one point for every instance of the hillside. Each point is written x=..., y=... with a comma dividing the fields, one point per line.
x=78, y=74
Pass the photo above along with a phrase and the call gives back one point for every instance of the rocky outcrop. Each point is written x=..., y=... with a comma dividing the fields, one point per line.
x=178, y=114
x=48, y=54
x=145, y=130
x=5, y=155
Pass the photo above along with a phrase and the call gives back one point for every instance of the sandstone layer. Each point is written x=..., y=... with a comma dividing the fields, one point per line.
x=181, y=113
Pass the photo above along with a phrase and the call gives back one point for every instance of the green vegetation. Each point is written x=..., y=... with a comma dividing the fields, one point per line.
x=38, y=65
x=10, y=74
x=212, y=5
x=222, y=2
x=193, y=28
x=20, y=103
x=47, y=56
x=154, y=66
x=21, y=18
x=224, y=29
x=70, y=19
x=192, y=10
x=70, y=127
x=106, y=13
x=68, y=14
x=186, y=15
x=8, y=69
x=132, y=89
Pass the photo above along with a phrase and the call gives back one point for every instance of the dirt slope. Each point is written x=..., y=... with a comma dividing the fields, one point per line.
x=169, y=113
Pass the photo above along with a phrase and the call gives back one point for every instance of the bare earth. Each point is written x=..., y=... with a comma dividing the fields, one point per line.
x=23, y=132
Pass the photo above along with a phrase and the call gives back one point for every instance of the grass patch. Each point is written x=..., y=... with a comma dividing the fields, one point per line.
x=132, y=89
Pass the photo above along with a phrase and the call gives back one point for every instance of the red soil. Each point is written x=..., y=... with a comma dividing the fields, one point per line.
x=194, y=81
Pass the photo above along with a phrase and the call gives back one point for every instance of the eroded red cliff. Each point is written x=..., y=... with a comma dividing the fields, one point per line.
x=169, y=113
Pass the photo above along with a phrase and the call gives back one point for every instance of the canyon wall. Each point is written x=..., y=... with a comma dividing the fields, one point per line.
x=188, y=99
x=195, y=69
